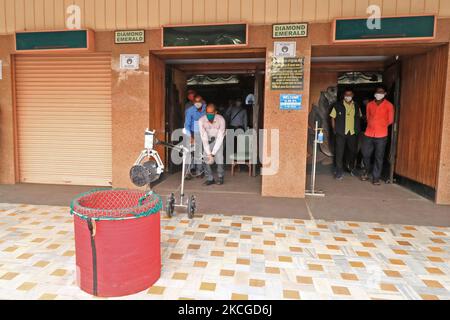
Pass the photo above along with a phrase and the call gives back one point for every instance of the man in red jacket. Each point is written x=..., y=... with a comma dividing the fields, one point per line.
x=380, y=115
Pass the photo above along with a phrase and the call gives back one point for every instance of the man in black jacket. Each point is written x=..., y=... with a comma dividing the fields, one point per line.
x=346, y=123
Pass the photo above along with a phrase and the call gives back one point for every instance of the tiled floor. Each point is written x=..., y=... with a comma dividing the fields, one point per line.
x=217, y=257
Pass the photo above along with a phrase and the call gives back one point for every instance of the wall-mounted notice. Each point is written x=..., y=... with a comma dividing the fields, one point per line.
x=291, y=101
x=285, y=49
x=129, y=61
x=287, y=73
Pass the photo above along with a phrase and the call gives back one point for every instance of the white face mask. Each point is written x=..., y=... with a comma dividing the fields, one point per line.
x=379, y=96
x=198, y=105
x=348, y=99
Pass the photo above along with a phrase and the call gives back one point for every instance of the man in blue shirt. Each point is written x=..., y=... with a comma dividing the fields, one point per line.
x=192, y=132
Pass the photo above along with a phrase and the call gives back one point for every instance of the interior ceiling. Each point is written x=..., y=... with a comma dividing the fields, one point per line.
x=406, y=49
x=214, y=61
x=221, y=68
x=212, y=53
x=351, y=59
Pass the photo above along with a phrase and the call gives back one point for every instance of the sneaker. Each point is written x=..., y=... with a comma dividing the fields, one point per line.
x=376, y=182
x=201, y=176
x=220, y=181
x=354, y=173
x=188, y=177
x=339, y=177
x=209, y=182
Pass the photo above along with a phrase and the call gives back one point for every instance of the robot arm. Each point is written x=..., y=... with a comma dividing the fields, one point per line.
x=148, y=167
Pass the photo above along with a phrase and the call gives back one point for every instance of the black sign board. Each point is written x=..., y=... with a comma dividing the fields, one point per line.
x=287, y=73
x=205, y=35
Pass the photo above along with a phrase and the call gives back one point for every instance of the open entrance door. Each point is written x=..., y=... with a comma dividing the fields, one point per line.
x=157, y=100
x=176, y=81
x=258, y=108
x=392, y=79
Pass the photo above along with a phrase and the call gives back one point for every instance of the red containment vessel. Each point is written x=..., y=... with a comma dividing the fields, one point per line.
x=118, y=241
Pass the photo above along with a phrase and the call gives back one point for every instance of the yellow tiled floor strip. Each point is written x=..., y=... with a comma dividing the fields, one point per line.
x=218, y=257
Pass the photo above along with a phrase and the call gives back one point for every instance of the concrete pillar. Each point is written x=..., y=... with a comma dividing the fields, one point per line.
x=7, y=137
x=130, y=110
x=293, y=132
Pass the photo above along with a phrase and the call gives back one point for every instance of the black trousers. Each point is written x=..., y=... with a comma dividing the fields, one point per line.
x=369, y=147
x=351, y=142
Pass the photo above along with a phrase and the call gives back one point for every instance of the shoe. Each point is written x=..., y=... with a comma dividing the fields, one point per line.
x=339, y=177
x=354, y=173
x=220, y=181
x=201, y=176
x=376, y=182
x=188, y=177
x=209, y=182
x=364, y=177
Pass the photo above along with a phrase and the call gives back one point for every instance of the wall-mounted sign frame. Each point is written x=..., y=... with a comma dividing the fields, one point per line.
x=290, y=30
x=129, y=61
x=291, y=102
x=285, y=49
x=204, y=35
x=400, y=28
x=129, y=36
x=54, y=41
x=287, y=73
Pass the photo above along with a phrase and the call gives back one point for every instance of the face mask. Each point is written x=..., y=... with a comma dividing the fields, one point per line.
x=198, y=105
x=348, y=99
x=211, y=117
x=379, y=96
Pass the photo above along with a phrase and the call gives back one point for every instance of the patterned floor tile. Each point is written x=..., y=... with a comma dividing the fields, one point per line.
x=240, y=258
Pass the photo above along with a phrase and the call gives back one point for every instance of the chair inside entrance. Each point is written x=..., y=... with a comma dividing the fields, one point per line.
x=244, y=153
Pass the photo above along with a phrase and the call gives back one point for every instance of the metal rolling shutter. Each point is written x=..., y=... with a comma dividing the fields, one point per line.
x=64, y=119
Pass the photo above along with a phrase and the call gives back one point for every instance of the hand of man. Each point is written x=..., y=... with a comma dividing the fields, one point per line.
x=210, y=160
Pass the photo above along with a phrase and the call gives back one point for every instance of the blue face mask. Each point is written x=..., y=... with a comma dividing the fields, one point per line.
x=211, y=117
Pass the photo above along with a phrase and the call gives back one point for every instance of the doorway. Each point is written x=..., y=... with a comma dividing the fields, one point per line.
x=219, y=79
x=405, y=71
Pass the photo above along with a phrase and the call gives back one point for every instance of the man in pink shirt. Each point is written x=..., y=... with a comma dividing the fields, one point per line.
x=380, y=115
x=212, y=129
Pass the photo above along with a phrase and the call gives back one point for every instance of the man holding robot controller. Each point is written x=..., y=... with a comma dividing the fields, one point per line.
x=212, y=128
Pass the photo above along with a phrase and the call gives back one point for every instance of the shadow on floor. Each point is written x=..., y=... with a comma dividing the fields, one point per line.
x=354, y=200
x=240, y=195
x=348, y=200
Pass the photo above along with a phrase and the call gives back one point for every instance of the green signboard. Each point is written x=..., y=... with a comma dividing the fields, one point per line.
x=205, y=35
x=401, y=28
x=71, y=39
